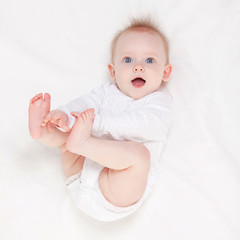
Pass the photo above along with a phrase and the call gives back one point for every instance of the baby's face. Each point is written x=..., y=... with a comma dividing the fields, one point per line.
x=139, y=63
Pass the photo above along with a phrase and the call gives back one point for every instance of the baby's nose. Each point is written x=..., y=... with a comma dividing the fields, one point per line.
x=138, y=68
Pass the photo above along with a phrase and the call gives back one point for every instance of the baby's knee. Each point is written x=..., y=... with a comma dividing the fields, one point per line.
x=143, y=155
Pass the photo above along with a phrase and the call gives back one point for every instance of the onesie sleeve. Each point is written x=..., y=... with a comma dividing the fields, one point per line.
x=148, y=123
x=92, y=100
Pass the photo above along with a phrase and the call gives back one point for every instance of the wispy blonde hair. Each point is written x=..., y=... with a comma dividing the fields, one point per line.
x=144, y=24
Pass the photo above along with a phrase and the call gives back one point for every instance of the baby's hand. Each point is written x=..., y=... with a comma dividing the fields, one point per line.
x=56, y=118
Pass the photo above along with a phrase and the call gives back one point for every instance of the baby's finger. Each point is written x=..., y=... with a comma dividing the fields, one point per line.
x=55, y=120
x=45, y=121
x=44, y=124
x=48, y=117
x=49, y=127
x=63, y=124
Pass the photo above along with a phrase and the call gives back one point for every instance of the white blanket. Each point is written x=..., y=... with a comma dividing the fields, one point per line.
x=62, y=47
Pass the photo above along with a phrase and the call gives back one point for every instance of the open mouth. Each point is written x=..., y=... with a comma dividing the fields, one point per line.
x=138, y=82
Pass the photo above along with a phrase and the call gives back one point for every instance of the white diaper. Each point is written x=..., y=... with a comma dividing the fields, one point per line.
x=86, y=193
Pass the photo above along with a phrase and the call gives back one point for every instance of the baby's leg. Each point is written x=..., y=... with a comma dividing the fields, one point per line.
x=39, y=107
x=72, y=163
x=124, y=178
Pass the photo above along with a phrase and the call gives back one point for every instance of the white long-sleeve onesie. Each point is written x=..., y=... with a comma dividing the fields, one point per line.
x=119, y=117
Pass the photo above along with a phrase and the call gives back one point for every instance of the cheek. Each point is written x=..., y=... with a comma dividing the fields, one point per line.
x=122, y=71
x=156, y=71
x=123, y=67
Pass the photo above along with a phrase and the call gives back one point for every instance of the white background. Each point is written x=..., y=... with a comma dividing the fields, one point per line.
x=62, y=47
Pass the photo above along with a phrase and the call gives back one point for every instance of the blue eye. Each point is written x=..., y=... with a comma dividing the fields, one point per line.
x=149, y=60
x=127, y=60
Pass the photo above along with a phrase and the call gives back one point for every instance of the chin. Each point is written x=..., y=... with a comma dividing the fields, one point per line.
x=138, y=96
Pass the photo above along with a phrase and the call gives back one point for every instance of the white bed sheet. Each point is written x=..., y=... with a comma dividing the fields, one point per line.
x=62, y=47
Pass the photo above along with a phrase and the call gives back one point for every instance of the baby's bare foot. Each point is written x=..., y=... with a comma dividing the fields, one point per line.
x=39, y=107
x=81, y=130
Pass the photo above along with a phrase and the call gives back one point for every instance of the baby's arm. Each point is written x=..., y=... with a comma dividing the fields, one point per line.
x=150, y=123
x=58, y=119
x=92, y=100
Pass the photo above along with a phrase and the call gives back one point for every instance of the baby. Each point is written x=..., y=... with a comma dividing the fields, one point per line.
x=111, y=139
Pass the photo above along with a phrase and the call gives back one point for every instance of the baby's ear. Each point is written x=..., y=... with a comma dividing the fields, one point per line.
x=111, y=69
x=167, y=72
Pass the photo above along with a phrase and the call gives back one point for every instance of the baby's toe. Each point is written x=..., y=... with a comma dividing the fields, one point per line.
x=75, y=114
x=83, y=115
x=47, y=97
x=90, y=115
x=37, y=97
